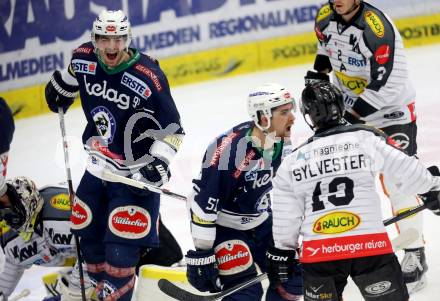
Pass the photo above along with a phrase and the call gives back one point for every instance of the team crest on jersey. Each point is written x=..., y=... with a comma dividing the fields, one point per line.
x=83, y=66
x=105, y=123
x=136, y=85
x=336, y=222
x=81, y=215
x=130, y=222
x=60, y=201
x=375, y=23
x=263, y=203
x=233, y=256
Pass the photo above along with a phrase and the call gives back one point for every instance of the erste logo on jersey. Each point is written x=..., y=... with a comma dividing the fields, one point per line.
x=233, y=256
x=81, y=215
x=375, y=23
x=336, y=222
x=130, y=222
x=105, y=123
x=136, y=85
x=60, y=201
x=83, y=66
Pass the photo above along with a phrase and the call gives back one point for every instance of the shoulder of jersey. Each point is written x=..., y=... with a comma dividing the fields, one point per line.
x=323, y=16
x=84, y=50
x=148, y=68
x=353, y=128
x=374, y=21
x=56, y=202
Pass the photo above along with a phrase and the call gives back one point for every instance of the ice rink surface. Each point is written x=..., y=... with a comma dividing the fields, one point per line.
x=207, y=109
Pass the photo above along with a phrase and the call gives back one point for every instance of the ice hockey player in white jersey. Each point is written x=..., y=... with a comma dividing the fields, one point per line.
x=231, y=218
x=36, y=231
x=326, y=191
x=364, y=49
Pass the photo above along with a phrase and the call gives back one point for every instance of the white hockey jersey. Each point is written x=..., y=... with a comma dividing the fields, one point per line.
x=367, y=58
x=326, y=192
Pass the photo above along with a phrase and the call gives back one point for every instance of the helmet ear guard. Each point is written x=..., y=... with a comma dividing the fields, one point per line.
x=263, y=99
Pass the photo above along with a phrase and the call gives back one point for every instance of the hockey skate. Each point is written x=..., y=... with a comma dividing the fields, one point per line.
x=414, y=269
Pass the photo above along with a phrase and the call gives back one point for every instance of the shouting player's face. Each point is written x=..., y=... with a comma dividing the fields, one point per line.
x=112, y=49
x=282, y=120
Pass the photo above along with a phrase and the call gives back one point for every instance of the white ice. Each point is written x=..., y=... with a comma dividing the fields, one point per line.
x=207, y=109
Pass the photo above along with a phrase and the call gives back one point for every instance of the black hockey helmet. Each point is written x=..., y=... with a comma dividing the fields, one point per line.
x=323, y=103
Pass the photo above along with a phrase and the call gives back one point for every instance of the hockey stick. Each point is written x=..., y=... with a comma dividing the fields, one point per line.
x=178, y=293
x=111, y=177
x=404, y=214
x=71, y=197
x=172, y=290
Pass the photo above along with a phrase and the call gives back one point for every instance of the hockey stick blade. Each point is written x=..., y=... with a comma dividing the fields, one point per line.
x=178, y=293
x=111, y=177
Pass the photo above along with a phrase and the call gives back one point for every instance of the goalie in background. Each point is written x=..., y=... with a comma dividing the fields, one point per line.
x=325, y=191
x=36, y=231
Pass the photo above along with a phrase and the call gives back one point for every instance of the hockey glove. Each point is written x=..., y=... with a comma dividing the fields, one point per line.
x=59, y=94
x=280, y=265
x=156, y=172
x=313, y=77
x=432, y=198
x=202, y=270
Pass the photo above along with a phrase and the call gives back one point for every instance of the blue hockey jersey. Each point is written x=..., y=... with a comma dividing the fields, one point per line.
x=233, y=189
x=127, y=109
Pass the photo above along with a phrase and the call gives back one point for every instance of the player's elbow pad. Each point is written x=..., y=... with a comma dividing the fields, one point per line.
x=58, y=93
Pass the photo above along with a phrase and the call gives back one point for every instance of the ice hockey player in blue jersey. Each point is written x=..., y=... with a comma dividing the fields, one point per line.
x=133, y=129
x=7, y=129
x=231, y=221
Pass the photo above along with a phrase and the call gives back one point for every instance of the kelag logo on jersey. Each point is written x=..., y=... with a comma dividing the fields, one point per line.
x=83, y=66
x=136, y=85
x=336, y=222
x=105, y=123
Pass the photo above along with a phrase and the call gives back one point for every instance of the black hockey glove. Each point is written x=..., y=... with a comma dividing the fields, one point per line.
x=202, y=270
x=280, y=265
x=432, y=198
x=156, y=173
x=313, y=77
x=59, y=94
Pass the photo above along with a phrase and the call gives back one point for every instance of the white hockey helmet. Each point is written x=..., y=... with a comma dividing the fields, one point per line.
x=266, y=97
x=26, y=203
x=111, y=23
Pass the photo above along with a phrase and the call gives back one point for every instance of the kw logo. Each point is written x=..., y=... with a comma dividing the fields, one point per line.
x=26, y=252
x=60, y=239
